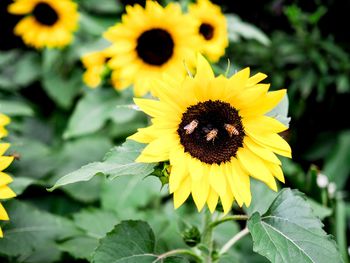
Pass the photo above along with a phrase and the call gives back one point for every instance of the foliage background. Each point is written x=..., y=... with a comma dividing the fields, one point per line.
x=59, y=125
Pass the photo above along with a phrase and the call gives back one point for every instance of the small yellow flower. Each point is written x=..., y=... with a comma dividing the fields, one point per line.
x=95, y=64
x=48, y=23
x=5, y=179
x=212, y=28
x=215, y=136
x=149, y=42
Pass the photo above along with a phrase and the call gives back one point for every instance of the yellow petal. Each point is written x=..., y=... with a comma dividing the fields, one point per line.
x=273, y=142
x=153, y=108
x=3, y=213
x=263, y=124
x=182, y=193
x=265, y=104
x=4, y=120
x=6, y=192
x=233, y=184
x=200, y=191
x=217, y=179
x=3, y=148
x=212, y=201
x=159, y=148
x=227, y=200
x=242, y=180
x=255, y=166
x=5, y=161
x=197, y=169
x=239, y=80
x=276, y=171
x=5, y=179
x=179, y=170
x=204, y=71
x=261, y=151
x=253, y=80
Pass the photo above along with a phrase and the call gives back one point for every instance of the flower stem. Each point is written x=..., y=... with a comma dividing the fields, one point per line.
x=233, y=240
x=207, y=237
x=177, y=252
x=228, y=218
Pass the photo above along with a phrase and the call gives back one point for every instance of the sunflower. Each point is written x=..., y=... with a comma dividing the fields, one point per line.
x=95, y=64
x=5, y=161
x=149, y=42
x=48, y=23
x=212, y=28
x=215, y=137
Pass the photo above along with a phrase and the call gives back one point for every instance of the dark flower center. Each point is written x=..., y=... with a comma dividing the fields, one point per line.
x=45, y=14
x=155, y=46
x=133, y=2
x=211, y=131
x=207, y=31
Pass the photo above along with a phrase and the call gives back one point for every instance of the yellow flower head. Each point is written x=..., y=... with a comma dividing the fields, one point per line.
x=214, y=133
x=5, y=161
x=212, y=28
x=149, y=42
x=49, y=23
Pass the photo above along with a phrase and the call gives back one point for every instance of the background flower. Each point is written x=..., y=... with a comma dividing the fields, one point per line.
x=149, y=42
x=48, y=23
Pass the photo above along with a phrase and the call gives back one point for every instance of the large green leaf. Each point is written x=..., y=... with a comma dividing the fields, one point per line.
x=91, y=113
x=82, y=246
x=129, y=242
x=31, y=231
x=119, y=161
x=289, y=232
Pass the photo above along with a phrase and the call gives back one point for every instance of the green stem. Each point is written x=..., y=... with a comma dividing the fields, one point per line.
x=228, y=218
x=177, y=252
x=233, y=240
x=207, y=237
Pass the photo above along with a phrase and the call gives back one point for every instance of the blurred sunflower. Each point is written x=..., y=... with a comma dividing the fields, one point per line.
x=149, y=42
x=95, y=64
x=215, y=137
x=48, y=23
x=212, y=28
x=5, y=161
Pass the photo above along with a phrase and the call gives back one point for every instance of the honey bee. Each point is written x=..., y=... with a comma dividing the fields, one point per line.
x=191, y=126
x=231, y=129
x=16, y=156
x=211, y=135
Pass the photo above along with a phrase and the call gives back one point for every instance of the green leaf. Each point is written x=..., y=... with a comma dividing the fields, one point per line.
x=18, y=69
x=129, y=242
x=280, y=112
x=62, y=86
x=119, y=161
x=289, y=232
x=15, y=108
x=337, y=165
x=119, y=195
x=72, y=156
x=83, y=246
x=80, y=247
x=31, y=231
x=19, y=184
x=237, y=29
x=86, y=220
x=91, y=113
